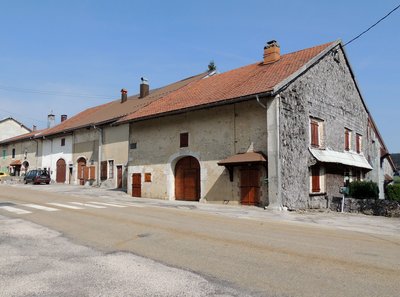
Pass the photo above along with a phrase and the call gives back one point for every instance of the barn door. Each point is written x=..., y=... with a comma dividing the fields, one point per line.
x=187, y=179
x=249, y=186
x=136, y=185
x=61, y=171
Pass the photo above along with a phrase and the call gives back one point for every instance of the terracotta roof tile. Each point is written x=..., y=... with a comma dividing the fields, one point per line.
x=248, y=80
x=114, y=110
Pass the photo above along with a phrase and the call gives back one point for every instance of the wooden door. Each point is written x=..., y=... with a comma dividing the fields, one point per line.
x=61, y=171
x=136, y=185
x=81, y=171
x=249, y=186
x=187, y=179
x=119, y=177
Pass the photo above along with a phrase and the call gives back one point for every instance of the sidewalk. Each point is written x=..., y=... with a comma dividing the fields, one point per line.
x=328, y=219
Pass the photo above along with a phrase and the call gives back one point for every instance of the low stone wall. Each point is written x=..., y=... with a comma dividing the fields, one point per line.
x=375, y=207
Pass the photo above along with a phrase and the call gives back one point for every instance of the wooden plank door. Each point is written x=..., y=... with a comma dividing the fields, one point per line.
x=136, y=185
x=61, y=171
x=119, y=177
x=249, y=186
x=187, y=179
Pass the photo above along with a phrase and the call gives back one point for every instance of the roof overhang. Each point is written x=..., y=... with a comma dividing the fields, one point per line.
x=344, y=158
x=243, y=158
x=16, y=163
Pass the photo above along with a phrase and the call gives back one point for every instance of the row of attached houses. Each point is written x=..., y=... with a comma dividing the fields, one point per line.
x=288, y=131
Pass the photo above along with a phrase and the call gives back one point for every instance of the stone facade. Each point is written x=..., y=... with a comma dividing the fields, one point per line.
x=375, y=207
x=28, y=152
x=326, y=91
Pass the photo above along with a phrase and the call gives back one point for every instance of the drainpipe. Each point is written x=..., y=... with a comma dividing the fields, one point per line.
x=99, y=153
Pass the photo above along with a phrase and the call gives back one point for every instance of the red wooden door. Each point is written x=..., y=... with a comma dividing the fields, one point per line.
x=81, y=171
x=136, y=185
x=119, y=177
x=61, y=171
x=187, y=179
x=249, y=186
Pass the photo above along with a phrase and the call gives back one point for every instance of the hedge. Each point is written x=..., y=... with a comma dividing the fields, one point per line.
x=393, y=192
x=363, y=190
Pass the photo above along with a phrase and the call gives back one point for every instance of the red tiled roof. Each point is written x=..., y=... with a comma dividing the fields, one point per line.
x=249, y=157
x=248, y=80
x=114, y=110
x=22, y=137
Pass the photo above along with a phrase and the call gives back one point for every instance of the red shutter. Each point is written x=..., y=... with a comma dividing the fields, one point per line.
x=346, y=140
x=314, y=134
x=92, y=172
x=358, y=144
x=315, y=180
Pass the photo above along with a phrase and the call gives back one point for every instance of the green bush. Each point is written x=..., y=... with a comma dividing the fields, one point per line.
x=393, y=192
x=363, y=190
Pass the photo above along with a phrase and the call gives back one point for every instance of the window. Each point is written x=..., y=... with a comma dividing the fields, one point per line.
x=133, y=145
x=358, y=143
x=347, y=139
x=4, y=154
x=147, y=177
x=316, y=132
x=315, y=179
x=13, y=153
x=62, y=141
x=111, y=169
x=184, y=139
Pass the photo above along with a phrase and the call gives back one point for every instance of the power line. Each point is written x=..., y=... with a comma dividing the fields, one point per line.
x=54, y=93
x=362, y=33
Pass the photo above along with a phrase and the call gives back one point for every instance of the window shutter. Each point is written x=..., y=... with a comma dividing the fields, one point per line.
x=85, y=172
x=315, y=180
x=103, y=170
x=184, y=139
x=314, y=134
x=358, y=143
x=346, y=140
x=92, y=172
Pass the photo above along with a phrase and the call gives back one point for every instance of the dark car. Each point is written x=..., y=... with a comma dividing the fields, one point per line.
x=37, y=177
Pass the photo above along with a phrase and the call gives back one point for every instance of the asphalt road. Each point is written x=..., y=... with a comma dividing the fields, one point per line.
x=234, y=255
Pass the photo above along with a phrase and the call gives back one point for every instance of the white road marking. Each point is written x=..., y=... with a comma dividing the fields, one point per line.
x=131, y=204
x=15, y=210
x=41, y=207
x=64, y=205
x=108, y=204
x=88, y=205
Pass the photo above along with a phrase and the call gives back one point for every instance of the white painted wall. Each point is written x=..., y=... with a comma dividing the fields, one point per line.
x=53, y=151
x=10, y=128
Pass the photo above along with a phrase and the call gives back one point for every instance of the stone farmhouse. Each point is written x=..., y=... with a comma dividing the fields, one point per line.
x=285, y=132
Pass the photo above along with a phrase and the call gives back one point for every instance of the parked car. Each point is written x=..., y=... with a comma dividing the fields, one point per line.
x=3, y=174
x=37, y=177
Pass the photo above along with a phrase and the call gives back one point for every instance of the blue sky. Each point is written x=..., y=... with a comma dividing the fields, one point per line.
x=52, y=48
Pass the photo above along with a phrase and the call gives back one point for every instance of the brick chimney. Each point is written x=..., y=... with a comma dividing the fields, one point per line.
x=144, y=88
x=124, y=95
x=63, y=117
x=272, y=52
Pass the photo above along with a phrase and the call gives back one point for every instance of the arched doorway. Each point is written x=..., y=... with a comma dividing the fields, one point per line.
x=187, y=179
x=61, y=171
x=81, y=170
